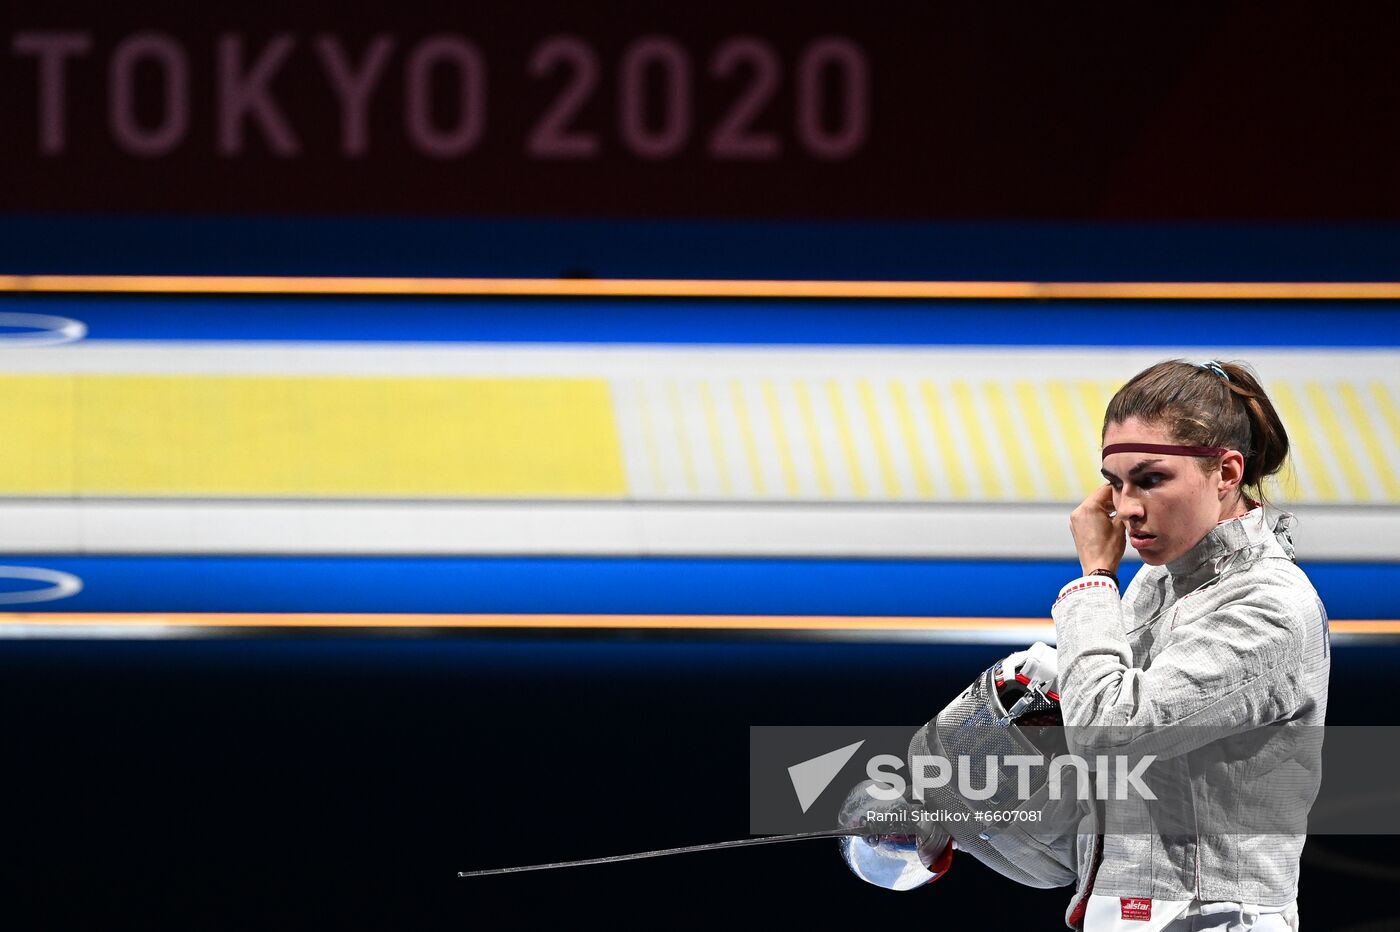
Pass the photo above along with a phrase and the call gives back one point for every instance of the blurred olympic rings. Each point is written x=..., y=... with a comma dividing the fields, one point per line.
x=61, y=585
x=39, y=329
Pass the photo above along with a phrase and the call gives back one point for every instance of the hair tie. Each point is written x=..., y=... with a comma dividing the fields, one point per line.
x=1210, y=365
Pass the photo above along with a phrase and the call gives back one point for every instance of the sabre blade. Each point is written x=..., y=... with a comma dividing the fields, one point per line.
x=664, y=852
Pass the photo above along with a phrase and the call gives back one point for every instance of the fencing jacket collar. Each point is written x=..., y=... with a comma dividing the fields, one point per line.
x=1256, y=526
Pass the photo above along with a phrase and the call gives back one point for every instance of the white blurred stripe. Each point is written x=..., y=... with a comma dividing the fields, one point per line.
x=699, y=361
x=616, y=528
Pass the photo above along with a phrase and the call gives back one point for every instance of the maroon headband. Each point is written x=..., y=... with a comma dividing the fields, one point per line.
x=1163, y=448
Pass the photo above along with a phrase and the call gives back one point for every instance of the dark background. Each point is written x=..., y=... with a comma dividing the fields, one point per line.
x=334, y=782
x=976, y=110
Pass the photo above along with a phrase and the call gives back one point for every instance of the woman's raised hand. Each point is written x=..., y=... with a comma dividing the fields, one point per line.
x=1099, y=538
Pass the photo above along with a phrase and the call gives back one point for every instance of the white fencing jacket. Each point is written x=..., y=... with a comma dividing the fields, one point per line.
x=1229, y=637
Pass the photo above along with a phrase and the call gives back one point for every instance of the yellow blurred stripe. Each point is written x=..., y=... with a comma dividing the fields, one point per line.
x=1077, y=440
x=1004, y=420
x=1388, y=410
x=673, y=395
x=1095, y=400
x=707, y=401
x=37, y=434
x=911, y=440
x=809, y=427
x=888, y=479
x=943, y=435
x=658, y=478
x=780, y=437
x=1337, y=440
x=983, y=457
x=1304, y=443
x=741, y=414
x=823, y=475
x=1356, y=411
x=1047, y=456
x=848, y=442
x=315, y=436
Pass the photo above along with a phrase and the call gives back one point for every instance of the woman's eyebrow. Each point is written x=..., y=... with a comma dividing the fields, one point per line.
x=1143, y=464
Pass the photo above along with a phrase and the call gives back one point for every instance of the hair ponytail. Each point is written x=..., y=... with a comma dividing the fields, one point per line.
x=1268, y=440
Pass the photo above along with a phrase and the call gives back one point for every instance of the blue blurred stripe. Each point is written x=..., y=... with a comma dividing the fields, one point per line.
x=682, y=321
x=1022, y=589
x=674, y=248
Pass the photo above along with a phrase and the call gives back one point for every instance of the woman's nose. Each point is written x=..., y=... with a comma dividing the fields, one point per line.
x=1128, y=506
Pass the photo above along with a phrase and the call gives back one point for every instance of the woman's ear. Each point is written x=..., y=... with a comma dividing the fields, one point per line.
x=1231, y=472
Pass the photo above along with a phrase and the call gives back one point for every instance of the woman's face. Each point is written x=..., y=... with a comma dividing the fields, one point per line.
x=1166, y=502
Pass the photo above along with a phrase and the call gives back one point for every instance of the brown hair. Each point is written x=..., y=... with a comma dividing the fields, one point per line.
x=1198, y=407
